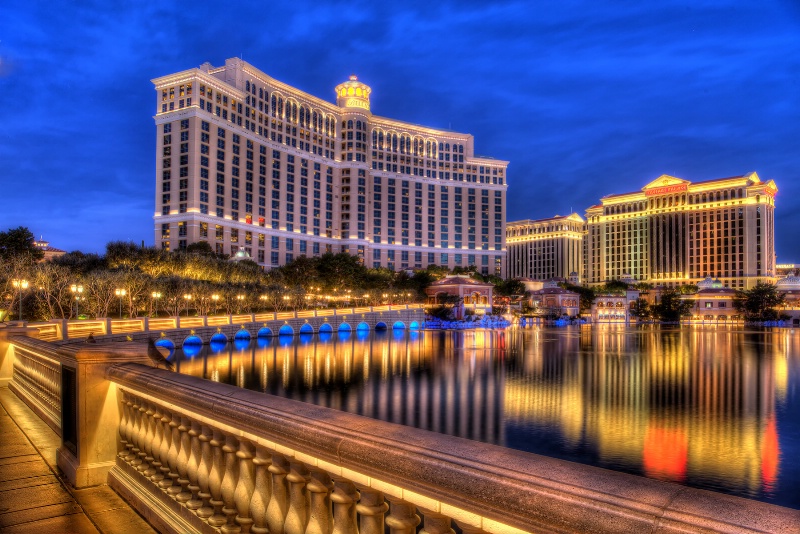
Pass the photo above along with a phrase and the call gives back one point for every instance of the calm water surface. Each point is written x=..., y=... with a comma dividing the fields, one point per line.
x=712, y=408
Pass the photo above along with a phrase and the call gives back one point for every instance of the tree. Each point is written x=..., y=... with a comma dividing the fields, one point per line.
x=18, y=242
x=759, y=303
x=640, y=309
x=202, y=248
x=671, y=307
x=614, y=287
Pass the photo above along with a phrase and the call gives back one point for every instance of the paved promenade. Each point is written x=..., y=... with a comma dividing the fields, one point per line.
x=32, y=496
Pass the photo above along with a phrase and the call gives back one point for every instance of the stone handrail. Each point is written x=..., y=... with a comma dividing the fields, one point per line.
x=37, y=378
x=201, y=456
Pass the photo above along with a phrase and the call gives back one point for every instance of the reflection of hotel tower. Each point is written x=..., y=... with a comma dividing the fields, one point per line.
x=244, y=160
x=403, y=381
x=674, y=231
x=673, y=415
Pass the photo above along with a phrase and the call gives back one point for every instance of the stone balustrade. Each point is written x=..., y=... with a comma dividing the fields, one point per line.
x=36, y=379
x=197, y=456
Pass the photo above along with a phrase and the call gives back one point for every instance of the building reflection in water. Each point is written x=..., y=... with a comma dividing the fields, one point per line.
x=693, y=405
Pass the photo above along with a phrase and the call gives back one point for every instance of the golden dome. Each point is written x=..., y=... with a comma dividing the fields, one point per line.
x=353, y=94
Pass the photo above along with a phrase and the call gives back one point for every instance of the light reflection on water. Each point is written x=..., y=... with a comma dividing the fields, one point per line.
x=711, y=408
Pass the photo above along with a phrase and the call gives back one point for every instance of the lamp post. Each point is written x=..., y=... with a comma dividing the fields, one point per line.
x=215, y=298
x=77, y=288
x=155, y=296
x=188, y=298
x=120, y=293
x=240, y=298
x=20, y=285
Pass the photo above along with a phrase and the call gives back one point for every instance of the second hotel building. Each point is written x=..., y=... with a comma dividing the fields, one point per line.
x=247, y=162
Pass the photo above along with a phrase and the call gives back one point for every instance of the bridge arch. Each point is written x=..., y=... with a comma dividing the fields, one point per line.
x=286, y=330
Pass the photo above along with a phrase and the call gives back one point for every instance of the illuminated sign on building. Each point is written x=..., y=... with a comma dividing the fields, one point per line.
x=356, y=103
x=667, y=189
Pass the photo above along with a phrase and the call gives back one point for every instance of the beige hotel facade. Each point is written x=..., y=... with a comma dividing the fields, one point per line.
x=671, y=232
x=247, y=162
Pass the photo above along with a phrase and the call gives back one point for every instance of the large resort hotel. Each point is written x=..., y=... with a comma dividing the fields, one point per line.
x=250, y=164
x=669, y=233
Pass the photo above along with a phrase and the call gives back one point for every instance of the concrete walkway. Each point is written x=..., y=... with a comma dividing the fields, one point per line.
x=32, y=496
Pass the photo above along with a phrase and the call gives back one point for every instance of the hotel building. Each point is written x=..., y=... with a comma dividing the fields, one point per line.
x=676, y=232
x=246, y=161
x=545, y=248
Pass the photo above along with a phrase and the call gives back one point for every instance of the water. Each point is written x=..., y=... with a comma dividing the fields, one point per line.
x=711, y=408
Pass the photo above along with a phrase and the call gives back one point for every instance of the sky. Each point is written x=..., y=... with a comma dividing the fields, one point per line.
x=584, y=98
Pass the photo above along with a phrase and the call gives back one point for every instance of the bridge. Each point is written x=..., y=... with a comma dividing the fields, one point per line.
x=198, y=456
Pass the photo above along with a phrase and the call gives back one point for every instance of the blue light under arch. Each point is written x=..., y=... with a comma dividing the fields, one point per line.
x=399, y=325
x=265, y=332
x=325, y=328
x=286, y=330
x=306, y=329
x=362, y=327
x=344, y=327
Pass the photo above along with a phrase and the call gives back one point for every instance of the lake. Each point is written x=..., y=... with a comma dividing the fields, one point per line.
x=714, y=408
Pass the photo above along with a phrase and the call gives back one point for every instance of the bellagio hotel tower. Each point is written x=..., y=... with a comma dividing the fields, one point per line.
x=247, y=162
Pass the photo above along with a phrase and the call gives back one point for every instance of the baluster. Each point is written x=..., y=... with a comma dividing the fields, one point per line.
x=244, y=487
x=149, y=439
x=204, y=471
x=229, y=481
x=261, y=492
x=155, y=447
x=371, y=508
x=135, y=461
x=320, y=516
x=163, y=452
x=403, y=518
x=183, y=460
x=278, y=505
x=297, y=516
x=172, y=458
x=123, y=426
x=436, y=524
x=195, y=459
x=215, y=479
x=144, y=422
x=345, y=495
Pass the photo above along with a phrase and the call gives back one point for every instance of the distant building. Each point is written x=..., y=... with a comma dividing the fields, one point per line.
x=675, y=232
x=713, y=302
x=545, y=248
x=613, y=308
x=244, y=160
x=471, y=294
x=556, y=301
x=49, y=252
x=785, y=269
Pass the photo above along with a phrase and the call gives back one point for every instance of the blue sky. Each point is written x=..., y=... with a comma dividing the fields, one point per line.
x=584, y=98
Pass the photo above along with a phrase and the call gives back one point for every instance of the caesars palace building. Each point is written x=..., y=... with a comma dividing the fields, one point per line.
x=248, y=163
x=671, y=232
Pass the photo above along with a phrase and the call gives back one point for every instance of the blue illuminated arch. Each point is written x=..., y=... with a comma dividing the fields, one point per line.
x=306, y=329
x=362, y=327
x=344, y=327
x=414, y=325
x=265, y=332
x=242, y=335
x=399, y=325
x=286, y=330
x=325, y=328
x=192, y=340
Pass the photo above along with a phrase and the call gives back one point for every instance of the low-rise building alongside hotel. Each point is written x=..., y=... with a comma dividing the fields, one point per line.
x=713, y=303
x=470, y=294
x=555, y=301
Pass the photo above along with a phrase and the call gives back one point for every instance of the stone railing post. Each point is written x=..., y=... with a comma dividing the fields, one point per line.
x=372, y=509
x=297, y=516
x=403, y=518
x=90, y=407
x=278, y=505
x=262, y=491
x=320, y=517
x=7, y=332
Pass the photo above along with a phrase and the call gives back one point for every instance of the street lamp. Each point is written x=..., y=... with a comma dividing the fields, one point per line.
x=188, y=298
x=120, y=293
x=240, y=298
x=155, y=296
x=20, y=285
x=215, y=298
x=77, y=288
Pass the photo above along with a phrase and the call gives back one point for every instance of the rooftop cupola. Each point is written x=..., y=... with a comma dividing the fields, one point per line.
x=353, y=94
